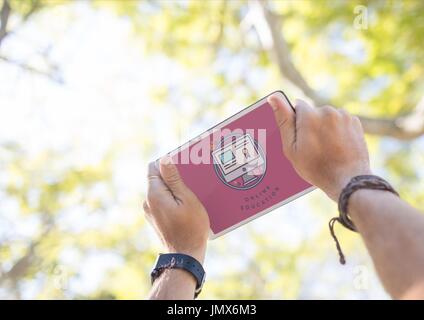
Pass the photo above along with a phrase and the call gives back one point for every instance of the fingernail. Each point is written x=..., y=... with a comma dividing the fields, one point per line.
x=271, y=102
x=166, y=160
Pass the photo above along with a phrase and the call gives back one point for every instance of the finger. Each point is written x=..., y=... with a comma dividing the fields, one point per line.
x=304, y=114
x=153, y=170
x=171, y=176
x=148, y=217
x=302, y=107
x=153, y=222
x=345, y=114
x=146, y=207
x=155, y=185
x=357, y=122
x=285, y=118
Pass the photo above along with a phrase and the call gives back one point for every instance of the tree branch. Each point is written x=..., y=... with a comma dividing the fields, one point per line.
x=52, y=71
x=35, y=5
x=220, y=34
x=22, y=265
x=405, y=127
x=4, y=19
x=52, y=74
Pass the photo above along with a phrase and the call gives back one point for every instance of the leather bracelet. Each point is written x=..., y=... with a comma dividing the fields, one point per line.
x=371, y=182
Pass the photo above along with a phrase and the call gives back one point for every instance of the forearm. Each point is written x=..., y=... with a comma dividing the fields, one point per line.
x=393, y=233
x=177, y=284
x=173, y=284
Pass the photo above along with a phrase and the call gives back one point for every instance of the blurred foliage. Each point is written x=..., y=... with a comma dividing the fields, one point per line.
x=376, y=71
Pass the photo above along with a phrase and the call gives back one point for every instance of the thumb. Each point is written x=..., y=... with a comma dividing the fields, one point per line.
x=171, y=176
x=285, y=118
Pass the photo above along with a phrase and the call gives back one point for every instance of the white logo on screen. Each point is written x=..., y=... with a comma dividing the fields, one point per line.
x=239, y=161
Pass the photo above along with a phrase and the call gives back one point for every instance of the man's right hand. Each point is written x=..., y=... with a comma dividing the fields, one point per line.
x=326, y=146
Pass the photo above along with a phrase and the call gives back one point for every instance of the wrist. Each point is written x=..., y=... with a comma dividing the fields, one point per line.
x=343, y=179
x=362, y=198
x=197, y=252
x=182, y=270
x=181, y=275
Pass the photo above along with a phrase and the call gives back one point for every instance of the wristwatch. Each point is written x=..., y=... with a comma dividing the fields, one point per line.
x=180, y=261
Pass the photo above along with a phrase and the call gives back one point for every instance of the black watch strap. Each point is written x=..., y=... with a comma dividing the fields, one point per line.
x=180, y=261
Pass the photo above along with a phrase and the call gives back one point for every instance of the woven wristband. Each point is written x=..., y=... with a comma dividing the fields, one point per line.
x=359, y=182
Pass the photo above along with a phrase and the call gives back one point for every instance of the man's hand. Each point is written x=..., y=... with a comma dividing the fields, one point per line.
x=175, y=212
x=326, y=146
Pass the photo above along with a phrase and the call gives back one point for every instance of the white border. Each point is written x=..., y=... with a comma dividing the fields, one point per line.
x=225, y=122
x=213, y=236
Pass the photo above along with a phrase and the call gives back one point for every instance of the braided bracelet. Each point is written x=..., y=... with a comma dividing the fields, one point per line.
x=359, y=182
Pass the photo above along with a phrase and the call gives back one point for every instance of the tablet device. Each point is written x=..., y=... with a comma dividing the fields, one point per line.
x=238, y=170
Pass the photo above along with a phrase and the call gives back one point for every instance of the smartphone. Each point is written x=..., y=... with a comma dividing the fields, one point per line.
x=237, y=168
